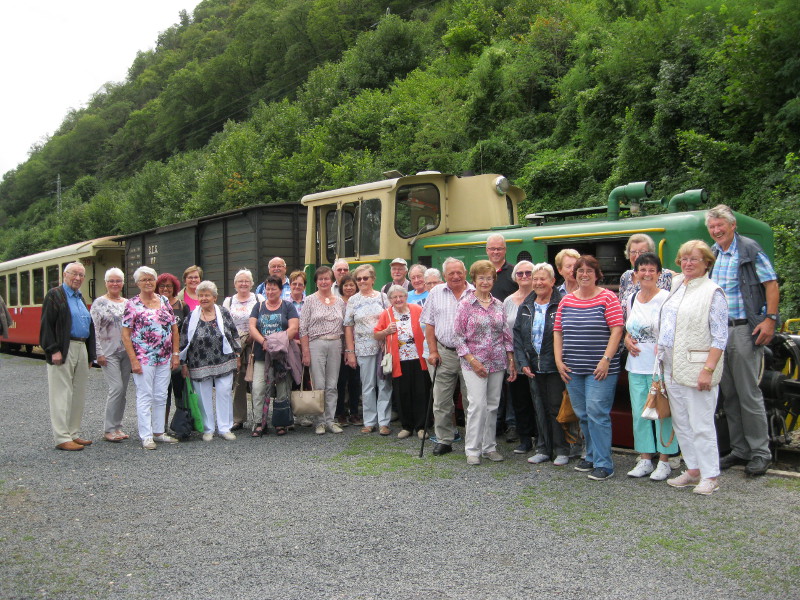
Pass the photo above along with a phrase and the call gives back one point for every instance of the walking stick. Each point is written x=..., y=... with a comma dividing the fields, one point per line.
x=428, y=412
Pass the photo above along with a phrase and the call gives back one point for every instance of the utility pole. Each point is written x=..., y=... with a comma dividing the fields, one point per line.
x=58, y=191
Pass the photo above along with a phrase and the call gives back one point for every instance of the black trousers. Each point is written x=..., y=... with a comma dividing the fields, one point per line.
x=413, y=387
x=548, y=390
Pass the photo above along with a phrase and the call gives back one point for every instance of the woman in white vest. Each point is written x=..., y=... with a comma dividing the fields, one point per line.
x=692, y=336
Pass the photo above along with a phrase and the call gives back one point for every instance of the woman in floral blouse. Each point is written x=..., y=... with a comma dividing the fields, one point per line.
x=107, y=311
x=486, y=348
x=150, y=336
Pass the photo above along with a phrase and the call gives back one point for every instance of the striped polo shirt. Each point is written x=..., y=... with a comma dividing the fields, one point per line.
x=586, y=327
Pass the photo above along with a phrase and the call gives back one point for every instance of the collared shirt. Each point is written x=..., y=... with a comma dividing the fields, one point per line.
x=504, y=286
x=286, y=290
x=484, y=333
x=726, y=276
x=440, y=311
x=81, y=318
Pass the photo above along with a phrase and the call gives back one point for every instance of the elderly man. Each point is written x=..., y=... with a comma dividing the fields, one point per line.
x=744, y=272
x=439, y=315
x=565, y=262
x=504, y=285
x=277, y=268
x=340, y=269
x=398, y=269
x=67, y=337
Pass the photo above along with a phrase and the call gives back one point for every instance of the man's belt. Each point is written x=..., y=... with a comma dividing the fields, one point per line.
x=74, y=339
x=736, y=322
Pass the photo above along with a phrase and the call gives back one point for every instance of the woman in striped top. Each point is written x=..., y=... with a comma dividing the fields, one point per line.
x=586, y=336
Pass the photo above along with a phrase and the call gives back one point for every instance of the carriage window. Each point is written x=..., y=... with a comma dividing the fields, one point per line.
x=3, y=290
x=370, y=232
x=417, y=209
x=349, y=211
x=13, y=290
x=25, y=288
x=52, y=276
x=38, y=286
x=331, y=235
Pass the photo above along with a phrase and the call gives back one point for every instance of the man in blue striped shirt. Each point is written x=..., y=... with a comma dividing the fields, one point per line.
x=744, y=272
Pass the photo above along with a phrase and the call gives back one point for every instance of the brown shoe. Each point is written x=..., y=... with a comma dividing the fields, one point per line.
x=69, y=446
x=82, y=442
x=385, y=430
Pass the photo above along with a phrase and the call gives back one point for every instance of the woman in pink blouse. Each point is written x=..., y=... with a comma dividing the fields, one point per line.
x=486, y=348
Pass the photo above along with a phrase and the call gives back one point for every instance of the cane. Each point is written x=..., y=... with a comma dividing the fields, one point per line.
x=427, y=412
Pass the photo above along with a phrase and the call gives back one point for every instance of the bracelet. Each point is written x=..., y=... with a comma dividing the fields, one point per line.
x=709, y=369
x=350, y=351
x=176, y=354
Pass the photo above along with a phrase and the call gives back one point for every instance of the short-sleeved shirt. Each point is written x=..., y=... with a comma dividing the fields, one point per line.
x=642, y=325
x=240, y=311
x=151, y=330
x=107, y=317
x=726, y=276
x=586, y=328
x=440, y=311
x=271, y=321
x=417, y=298
x=362, y=314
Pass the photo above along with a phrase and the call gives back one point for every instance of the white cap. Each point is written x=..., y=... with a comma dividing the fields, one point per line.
x=399, y=261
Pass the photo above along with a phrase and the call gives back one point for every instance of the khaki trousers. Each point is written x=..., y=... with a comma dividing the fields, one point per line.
x=67, y=392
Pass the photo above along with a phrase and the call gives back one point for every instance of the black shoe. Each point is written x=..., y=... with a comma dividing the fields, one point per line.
x=726, y=462
x=757, y=465
x=440, y=449
x=584, y=466
x=236, y=427
x=524, y=447
x=511, y=435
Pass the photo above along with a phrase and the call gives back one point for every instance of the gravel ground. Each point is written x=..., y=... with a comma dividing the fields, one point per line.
x=355, y=516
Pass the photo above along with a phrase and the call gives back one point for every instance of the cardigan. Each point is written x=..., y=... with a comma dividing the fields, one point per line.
x=383, y=323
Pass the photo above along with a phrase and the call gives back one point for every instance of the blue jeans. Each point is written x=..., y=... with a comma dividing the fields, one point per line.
x=591, y=400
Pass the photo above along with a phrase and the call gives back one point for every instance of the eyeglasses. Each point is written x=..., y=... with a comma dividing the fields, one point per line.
x=495, y=249
x=367, y=278
x=78, y=275
x=690, y=259
x=524, y=273
x=637, y=252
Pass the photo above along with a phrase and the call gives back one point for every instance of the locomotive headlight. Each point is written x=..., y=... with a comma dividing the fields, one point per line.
x=501, y=185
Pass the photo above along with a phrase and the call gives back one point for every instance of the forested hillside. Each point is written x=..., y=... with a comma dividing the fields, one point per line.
x=249, y=101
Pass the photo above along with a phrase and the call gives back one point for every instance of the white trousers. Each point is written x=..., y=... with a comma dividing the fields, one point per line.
x=484, y=399
x=205, y=389
x=152, y=386
x=67, y=393
x=693, y=422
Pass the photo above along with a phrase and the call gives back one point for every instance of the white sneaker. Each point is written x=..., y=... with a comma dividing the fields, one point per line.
x=561, y=460
x=148, y=443
x=228, y=435
x=167, y=439
x=538, y=458
x=643, y=467
x=706, y=487
x=404, y=433
x=320, y=429
x=334, y=428
x=663, y=470
x=207, y=437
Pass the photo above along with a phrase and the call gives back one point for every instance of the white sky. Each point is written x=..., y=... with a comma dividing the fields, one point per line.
x=55, y=55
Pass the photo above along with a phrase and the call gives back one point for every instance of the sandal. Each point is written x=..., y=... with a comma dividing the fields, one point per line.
x=257, y=431
x=280, y=431
x=367, y=429
x=112, y=437
x=121, y=434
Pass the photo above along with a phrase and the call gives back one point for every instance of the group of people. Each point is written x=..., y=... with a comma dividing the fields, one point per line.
x=506, y=335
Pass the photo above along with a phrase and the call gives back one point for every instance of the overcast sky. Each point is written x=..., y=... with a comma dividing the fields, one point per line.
x=55, y=55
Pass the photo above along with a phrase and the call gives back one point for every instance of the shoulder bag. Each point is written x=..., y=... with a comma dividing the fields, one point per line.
x=308, y=402
x=386, y=361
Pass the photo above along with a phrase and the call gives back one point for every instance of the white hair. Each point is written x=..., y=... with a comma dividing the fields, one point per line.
x=546, y=267
x=433, y=273
x=522, y=263
x=496, y=237
x=207, y=286
x=451, y=259
x=246, y=272
x=74, y=264
x=417, y=267
x=394, y=289
x=341, y=261
x=143, y=270
x=721, y=211
x=112, y=272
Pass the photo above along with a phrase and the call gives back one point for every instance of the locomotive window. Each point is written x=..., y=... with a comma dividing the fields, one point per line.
x=38, y=286
x=331, y=235
x=348, y=224
x=417, y=209
x=52, y=276
x=370, y=232
x=13, y=290
x=510, y=208
x=25, y=288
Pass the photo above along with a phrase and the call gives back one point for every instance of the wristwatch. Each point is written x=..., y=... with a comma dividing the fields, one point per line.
x=772, y=316
x=608, y=359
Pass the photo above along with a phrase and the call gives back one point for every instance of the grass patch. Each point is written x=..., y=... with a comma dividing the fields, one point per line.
x=792, y=485
x=371, y=456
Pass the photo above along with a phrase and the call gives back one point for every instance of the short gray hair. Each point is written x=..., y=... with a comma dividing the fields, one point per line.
x=74, y=264
x=395, y=289
x=207, y=286
x=341, y=260
x=721, y=211
x=638, y=238
x=451, y=259
x=114, y=271
x=498, y=237
x=246, y=272
x=417, y=267
x=521, y=263
x=433, y=273
x=143, y=270
x=546, y=267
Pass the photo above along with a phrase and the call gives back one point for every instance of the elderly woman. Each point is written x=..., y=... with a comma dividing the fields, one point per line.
x=362, y=350
x=276, y=320
x=399, y=327
x=297, y=289
x=192, y=276
x=587, y=334
x=533, y=349
x=521, y=401
x=107, y=311
x=321, y=341
x=638, y=244
x=167, y=285
x=565, y=265
x=150, y=337
x=210, y=356
x=240, y=305
x=419, y=292
x=349, y=385
x=641, y=335
x=484, y=343
x=692, y=335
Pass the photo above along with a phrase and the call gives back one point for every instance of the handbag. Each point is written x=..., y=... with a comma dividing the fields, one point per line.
x=192, y=401
x=308, y=402
x=566, y=416
x=251, y=360
x=181, y=421
x=386, y=361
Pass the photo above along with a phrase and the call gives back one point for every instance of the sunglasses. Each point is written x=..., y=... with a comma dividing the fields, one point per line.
x=524, y=273
x=367, y=278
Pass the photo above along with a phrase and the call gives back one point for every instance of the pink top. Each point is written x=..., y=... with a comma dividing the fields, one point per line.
x=483, y=332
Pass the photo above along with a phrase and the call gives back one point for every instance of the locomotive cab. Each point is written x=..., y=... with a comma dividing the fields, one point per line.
x=376, y=222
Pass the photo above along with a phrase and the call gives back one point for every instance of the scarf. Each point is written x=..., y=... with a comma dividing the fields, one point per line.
x=194, y=319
